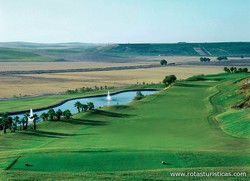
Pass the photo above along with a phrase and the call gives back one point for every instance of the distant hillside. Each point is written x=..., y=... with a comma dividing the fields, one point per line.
x=187, y=49
x=22, y=51
x=10, y=54
x=28, y=45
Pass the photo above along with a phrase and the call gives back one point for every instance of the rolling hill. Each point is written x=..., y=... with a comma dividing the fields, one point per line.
x=22, y=51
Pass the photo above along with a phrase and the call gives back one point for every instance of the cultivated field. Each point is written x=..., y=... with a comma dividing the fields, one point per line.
x=26, y=66
x=33, y=84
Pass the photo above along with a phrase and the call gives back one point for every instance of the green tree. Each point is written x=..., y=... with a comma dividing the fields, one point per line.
x=10, y=123
x=35, y=118
x=240, y=70
x=67, y=114
x=84, y=107
x=227, y=70
x=232, y=69
x=245, y=69
x=168, y=80
x=59, y=114
x=51, y=114
x=16, y=121
x=163, y=62
x=78, y=105
x=138, y=95
x=23, y=121
x=221, y=58
x=204, y=59
x=235, y=70
x=44, y=116
x=90, y=105
x=26, y=117
x=5, y=121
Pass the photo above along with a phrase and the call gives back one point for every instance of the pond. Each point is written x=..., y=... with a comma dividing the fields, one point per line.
x=99, y=101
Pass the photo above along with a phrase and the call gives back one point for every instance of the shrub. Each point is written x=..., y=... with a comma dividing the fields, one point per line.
x=139, y=95
x=221, y=58
x=163, y=62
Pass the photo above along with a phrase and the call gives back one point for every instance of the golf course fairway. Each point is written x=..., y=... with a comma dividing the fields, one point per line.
x=190, y=126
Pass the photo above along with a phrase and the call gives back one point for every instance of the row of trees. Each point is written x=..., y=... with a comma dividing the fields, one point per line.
x=84, y=107
x=204, y=59
x=221, y=58
x=55, y=115
x=12, y=123
x=88, y=89
x=164, y=62
x=235, y=70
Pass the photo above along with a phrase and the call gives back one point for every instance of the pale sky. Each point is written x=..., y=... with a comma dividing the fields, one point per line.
x=124, y=21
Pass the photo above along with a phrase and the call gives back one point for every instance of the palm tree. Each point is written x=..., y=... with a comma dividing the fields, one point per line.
x=26, y=117
x=227, y=70
x=51, y=114
x=59, y=114
x=15, y=122
x=78, y=105
x=23, y=121
x=35, y=118
x=10, y=123
x=44, y=116
x=85, y=107
x=67, y=114
x=18, y=121
x=5, y=121
x=90, y=105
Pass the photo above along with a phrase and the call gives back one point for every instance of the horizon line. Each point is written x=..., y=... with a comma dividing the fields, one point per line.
x=181, y=42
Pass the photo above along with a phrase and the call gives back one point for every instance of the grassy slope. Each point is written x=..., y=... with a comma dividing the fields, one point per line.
x=233, y=121
x=129, y=142
x=16, y=55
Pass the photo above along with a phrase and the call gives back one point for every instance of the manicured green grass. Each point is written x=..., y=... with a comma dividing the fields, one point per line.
x=236, y=123
x=156, y=174
x=232, y=121
x=128, y=142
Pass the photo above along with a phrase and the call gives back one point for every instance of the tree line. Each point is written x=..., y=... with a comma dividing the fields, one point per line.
x=84, y=107
x=88, y=89
x=204, y=59
x=221, y=58
x=12, y=123
x=235, y=70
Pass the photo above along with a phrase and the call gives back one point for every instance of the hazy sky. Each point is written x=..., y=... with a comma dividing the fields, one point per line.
x=124, y=21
